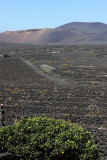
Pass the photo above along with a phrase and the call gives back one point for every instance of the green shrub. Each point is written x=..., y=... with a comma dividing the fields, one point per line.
x=47, y=139
x=32, y=59
x=91, y=53
x=65, y=65
x=6, y=55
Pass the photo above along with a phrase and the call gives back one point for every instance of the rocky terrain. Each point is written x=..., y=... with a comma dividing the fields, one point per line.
x=75, y=90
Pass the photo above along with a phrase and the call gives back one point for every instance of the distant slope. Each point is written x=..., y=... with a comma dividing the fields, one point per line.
x=39, y=36
x=94, y=27
x=71, y=33
x=100, y=37
x=27, y=36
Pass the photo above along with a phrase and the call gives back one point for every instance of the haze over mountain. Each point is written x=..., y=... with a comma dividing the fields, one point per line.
x=71, y=33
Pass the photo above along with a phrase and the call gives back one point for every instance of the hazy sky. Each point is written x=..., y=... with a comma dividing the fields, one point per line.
x=30, y=14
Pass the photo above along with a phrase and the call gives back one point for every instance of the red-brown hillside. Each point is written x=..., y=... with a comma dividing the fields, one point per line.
x=71, y=33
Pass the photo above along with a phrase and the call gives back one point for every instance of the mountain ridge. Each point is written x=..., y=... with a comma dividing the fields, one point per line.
x=70, y=33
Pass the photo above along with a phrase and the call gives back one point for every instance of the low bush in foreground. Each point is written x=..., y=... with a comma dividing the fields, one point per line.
x=43, y=138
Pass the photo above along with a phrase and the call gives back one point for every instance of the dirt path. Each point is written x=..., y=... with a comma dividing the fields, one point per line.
x=57, y=78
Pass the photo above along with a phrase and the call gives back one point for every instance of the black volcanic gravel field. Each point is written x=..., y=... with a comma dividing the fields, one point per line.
x=81, y=97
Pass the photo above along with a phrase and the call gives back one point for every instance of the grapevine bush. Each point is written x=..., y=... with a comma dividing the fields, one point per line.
x=43, y=138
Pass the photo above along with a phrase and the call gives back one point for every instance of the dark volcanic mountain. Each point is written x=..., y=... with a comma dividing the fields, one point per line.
x=95, y=27
x=71, y=33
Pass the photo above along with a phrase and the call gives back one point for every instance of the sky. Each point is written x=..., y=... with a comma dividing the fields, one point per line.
x=36, y=14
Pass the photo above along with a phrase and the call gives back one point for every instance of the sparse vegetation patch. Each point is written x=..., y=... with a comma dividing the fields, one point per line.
x=7, y=55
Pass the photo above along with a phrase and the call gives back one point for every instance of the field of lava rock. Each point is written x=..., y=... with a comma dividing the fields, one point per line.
x=76, y=90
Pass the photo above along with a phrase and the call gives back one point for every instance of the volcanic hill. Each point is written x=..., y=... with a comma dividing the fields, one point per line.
x=71, y=33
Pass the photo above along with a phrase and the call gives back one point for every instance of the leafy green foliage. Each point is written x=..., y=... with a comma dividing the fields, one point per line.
x=47, y=139
x=6, y=55
x=91, y=53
